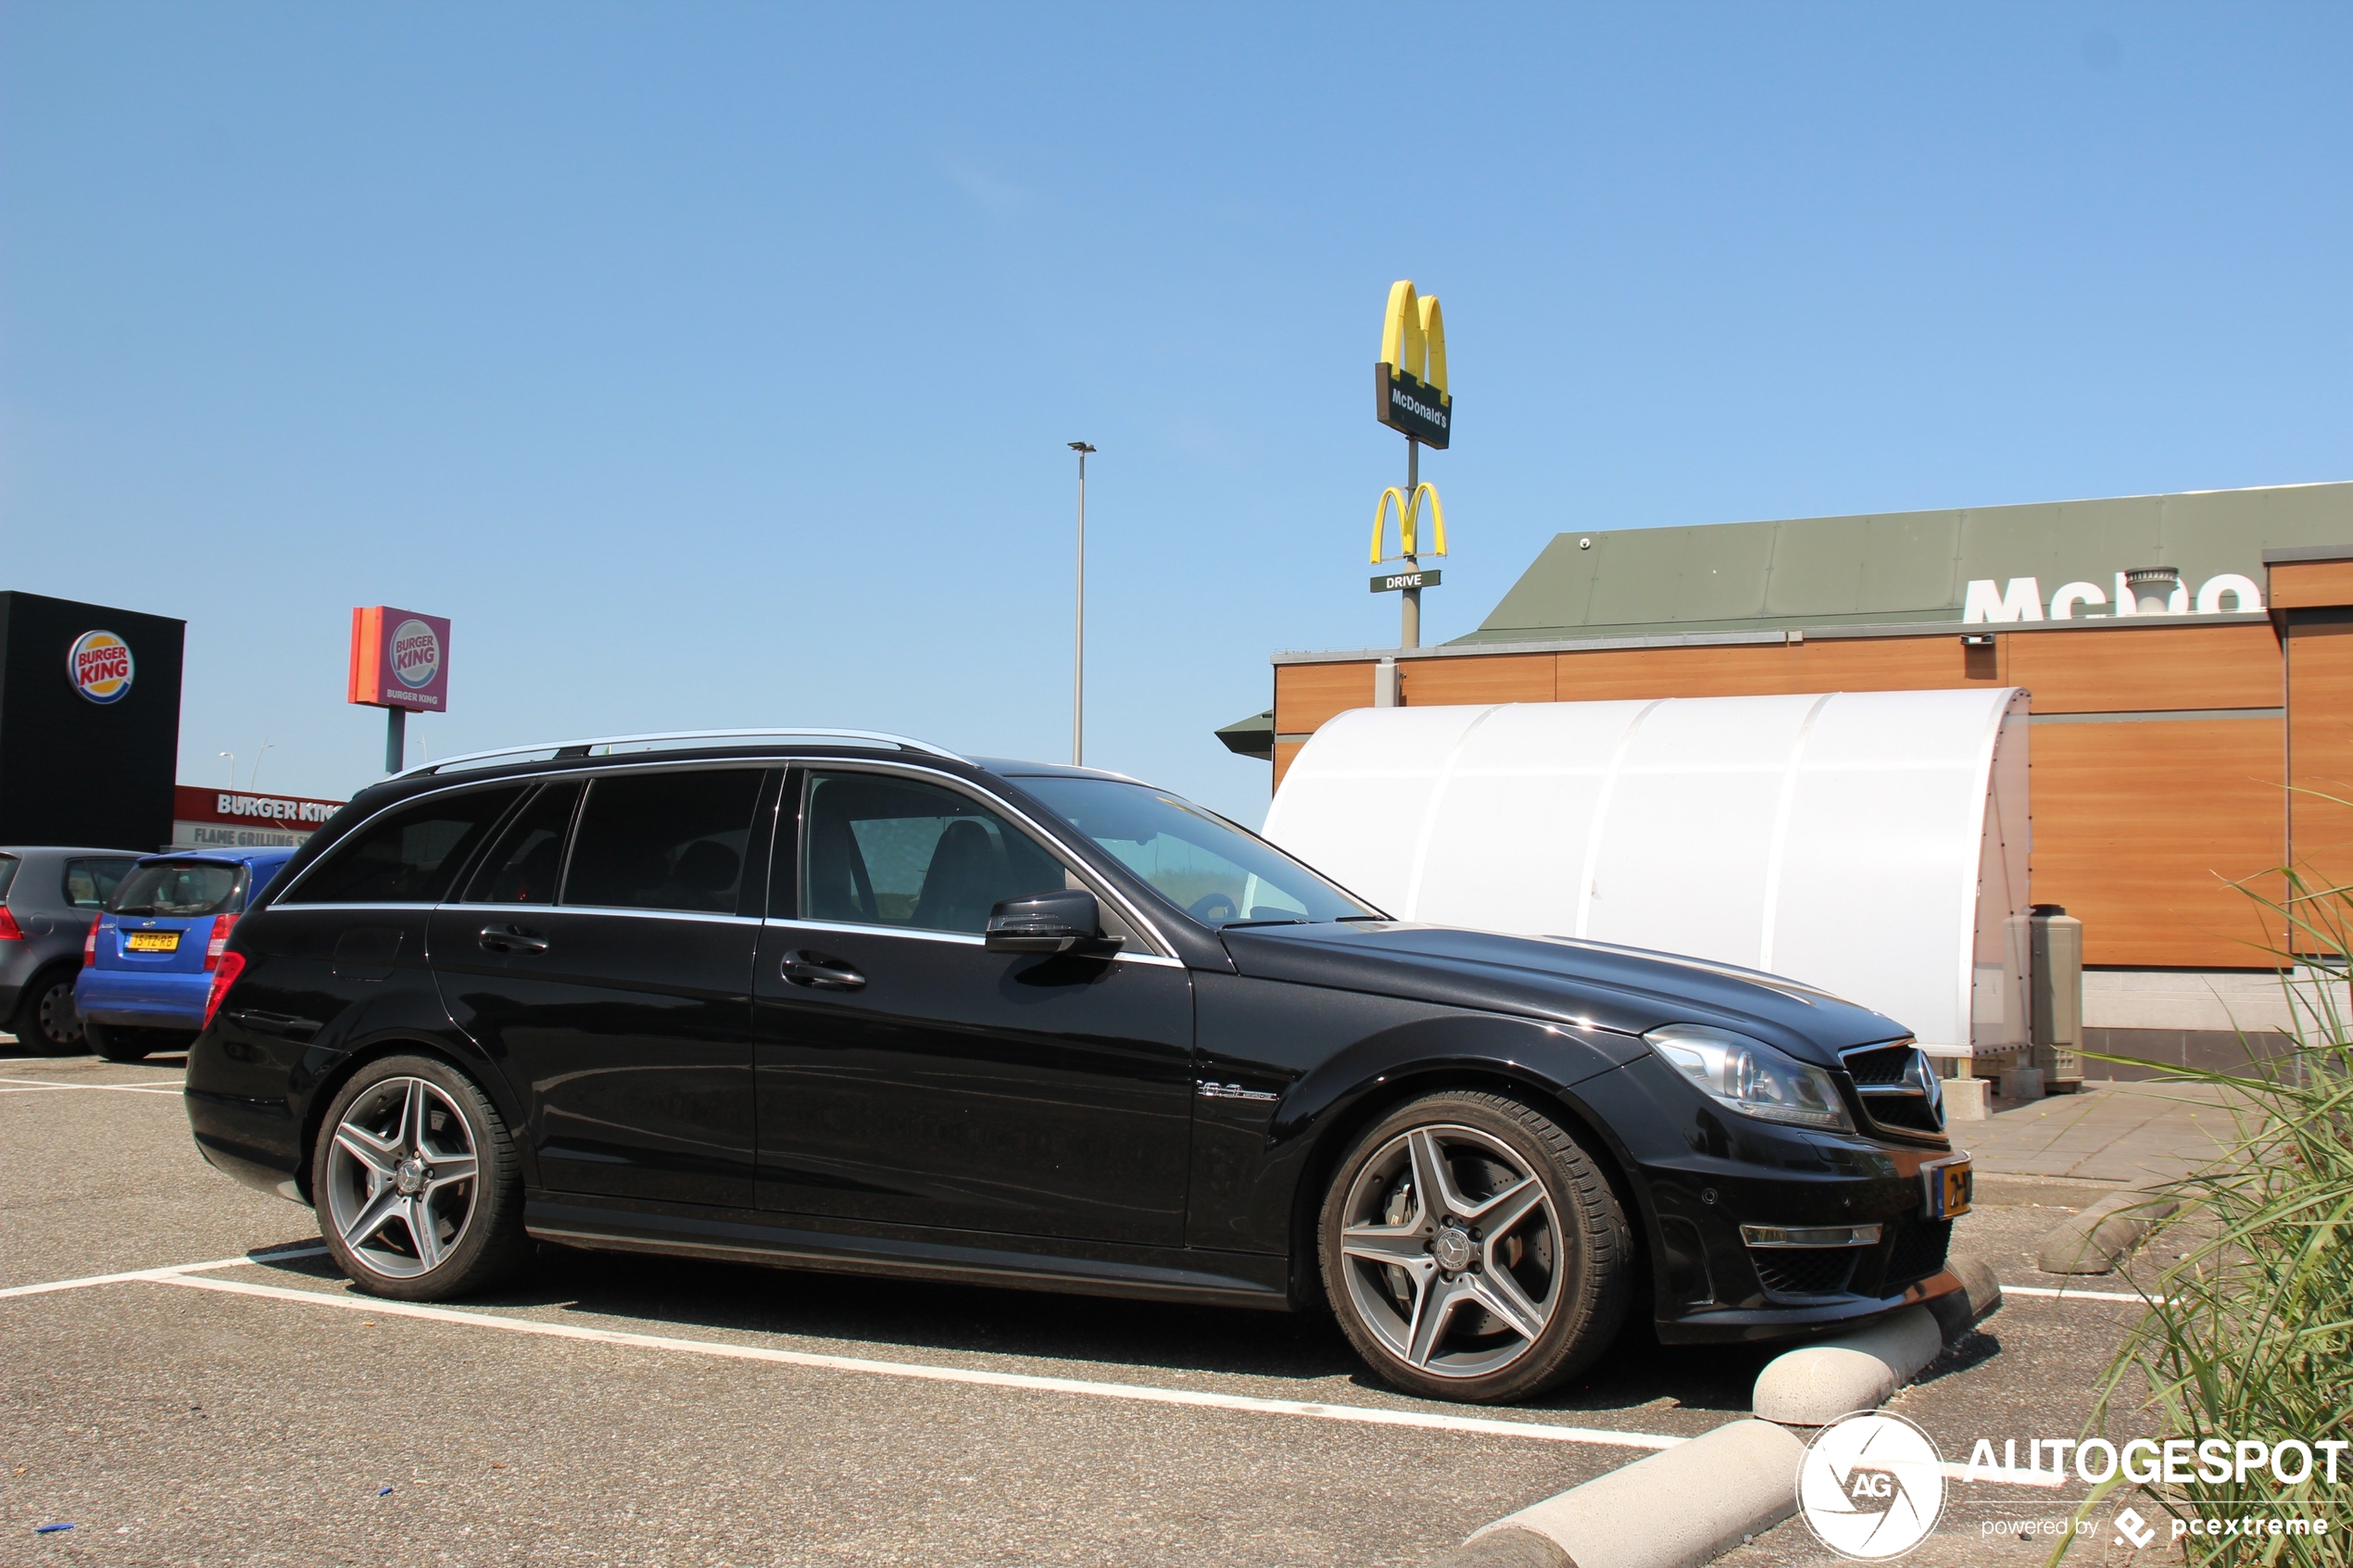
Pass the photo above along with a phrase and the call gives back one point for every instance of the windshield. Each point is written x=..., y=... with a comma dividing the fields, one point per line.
x=1206, y=866
x=176, y=888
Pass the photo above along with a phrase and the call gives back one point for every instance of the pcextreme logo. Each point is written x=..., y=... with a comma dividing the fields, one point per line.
x=1409, y=384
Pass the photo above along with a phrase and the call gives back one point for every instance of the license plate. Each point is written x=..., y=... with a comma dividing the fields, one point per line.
x=1950, y=1185
x=151, y=942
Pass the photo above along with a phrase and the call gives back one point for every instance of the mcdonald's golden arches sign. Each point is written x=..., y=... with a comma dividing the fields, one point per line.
x=1409, y=384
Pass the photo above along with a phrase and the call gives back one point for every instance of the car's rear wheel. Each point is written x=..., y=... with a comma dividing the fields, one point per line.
x=415, y=1179
x=45, y=1018
x=1472, y=1251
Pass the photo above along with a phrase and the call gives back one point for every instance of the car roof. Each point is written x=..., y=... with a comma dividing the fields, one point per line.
x=21, y=851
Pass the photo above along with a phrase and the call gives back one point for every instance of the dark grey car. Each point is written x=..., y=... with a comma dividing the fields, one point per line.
x=48, y=897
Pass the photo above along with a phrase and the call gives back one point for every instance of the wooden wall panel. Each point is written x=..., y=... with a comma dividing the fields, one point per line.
x=2137, y=824
x=1893, y=664
x=2311, y=584
x=1284, y=752
x=2131, y=668
x=1307, y=694
x=1609, y=674
x=2320, y=716
x=1507, y=677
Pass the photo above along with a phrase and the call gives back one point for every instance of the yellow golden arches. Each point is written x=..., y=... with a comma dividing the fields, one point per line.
x=1413, y=337
x=1408, y=518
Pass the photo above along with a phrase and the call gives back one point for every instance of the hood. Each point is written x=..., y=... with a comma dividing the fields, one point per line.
x=1589, y=983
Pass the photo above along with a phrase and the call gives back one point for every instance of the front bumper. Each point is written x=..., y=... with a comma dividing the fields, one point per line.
x=132, y=1001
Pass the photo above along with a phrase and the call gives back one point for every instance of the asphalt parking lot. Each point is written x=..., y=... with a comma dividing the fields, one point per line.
x=258, y=1411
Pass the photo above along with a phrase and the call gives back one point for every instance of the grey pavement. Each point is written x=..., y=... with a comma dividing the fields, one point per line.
x=2113, y=1135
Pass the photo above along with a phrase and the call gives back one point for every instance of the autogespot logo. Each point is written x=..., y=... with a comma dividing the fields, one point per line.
x=1871, y=1485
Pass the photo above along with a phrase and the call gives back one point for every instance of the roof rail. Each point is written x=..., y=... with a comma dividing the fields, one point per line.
x=609, y=744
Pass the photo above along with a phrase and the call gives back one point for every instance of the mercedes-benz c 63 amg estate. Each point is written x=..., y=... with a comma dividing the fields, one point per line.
x=844, y=1001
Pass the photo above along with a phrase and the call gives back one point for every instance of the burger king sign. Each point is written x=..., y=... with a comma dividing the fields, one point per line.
x=99, y=666
x=399, y=659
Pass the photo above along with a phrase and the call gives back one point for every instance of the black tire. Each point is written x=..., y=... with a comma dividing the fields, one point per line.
x=46, y=1019
x=118, y=1044
x=481, y=1246
x=1560, y=1261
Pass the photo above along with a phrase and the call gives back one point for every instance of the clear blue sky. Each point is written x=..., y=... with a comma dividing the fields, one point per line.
x=712, y=364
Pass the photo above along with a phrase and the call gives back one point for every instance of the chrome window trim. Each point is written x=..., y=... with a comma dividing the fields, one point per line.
x=707, y=916
x=961, y=939
x=1072, y=860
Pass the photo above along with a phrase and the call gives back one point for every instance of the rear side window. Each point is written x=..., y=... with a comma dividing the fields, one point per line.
x=665, y=841
x=8, y=864
x=523, y=866
x=89, y=883
x=410, y=855
x=179, y=888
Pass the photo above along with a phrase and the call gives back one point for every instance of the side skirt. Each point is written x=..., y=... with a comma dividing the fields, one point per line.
x=1205, y=1278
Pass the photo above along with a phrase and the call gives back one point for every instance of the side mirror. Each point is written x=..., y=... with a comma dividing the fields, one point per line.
x=1060, y=921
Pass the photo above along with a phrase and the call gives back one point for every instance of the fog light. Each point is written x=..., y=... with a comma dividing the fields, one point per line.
x=1810, y=1236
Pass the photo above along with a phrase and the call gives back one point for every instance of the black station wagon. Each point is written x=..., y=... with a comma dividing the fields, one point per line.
x=845, y=1001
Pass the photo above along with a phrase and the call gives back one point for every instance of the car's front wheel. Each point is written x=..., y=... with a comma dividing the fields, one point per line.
x=416, y=1181
x=1473, y=1250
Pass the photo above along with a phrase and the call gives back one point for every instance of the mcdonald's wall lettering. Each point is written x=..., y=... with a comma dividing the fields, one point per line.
x=1409, y=384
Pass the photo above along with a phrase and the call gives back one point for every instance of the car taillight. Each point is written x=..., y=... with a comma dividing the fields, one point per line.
x=90, y=943
x=221, y=926
x=9, y=931
x=223, y=976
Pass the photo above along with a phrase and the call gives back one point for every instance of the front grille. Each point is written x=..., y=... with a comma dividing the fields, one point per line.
x=1879, y=1064
x=1889, y=1078
x=1909, y=1113
x=1804, y=1271
x=1919, y=1253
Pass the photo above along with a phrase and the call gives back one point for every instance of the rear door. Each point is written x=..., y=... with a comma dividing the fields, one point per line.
x=602, y=953
x=908, y=1075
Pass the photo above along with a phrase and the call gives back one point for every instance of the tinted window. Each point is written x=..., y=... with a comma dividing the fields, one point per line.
x=409, y=855
x=665, y=841
x=523, y=866
x=1195, y=859
x=89, y=883
x=8, y=864
x=886, y=851
x=177, y=887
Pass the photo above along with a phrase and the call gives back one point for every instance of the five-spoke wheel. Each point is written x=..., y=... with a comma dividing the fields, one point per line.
x=414, y=1182
x=1471, y=1249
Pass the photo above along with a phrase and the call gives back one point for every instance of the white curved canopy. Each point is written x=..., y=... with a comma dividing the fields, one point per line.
x=1871, y=844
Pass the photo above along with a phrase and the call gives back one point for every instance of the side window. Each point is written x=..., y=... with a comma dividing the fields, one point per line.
x=521, y=867
x=886, y=851
x=407, y=856
x=89, y=883
x=665, y=841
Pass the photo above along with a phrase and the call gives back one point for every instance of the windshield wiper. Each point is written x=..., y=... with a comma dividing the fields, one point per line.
x=1232, y=925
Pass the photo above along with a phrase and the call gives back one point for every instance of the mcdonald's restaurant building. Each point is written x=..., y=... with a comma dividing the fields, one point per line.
x=2189, y=660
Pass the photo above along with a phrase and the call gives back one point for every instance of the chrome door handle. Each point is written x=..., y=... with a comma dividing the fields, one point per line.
x=511, y=939
x=816, y=969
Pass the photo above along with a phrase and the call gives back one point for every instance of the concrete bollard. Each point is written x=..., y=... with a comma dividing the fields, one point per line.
x=2102, y=1236
x=1815, y=1386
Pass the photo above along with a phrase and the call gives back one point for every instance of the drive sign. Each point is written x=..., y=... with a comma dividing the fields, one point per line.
x=399, y=659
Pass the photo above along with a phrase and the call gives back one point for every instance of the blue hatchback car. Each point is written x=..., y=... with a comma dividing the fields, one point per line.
x=148, y=963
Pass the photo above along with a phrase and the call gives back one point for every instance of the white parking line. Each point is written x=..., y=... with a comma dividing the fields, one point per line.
x=375, y=1307
x=2080, y=1295
x=169, y=1272
x=40, y=1085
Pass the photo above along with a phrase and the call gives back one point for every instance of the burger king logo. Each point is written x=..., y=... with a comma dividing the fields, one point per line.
x=416, y=654
x=99, y=666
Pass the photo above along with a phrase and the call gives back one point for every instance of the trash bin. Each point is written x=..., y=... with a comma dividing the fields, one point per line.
x=2057, y=941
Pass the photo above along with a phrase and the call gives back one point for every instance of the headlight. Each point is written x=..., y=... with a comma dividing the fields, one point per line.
x=1751, y=1076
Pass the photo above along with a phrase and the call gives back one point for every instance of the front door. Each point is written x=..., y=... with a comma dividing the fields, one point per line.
x=909, y=1076
x=621, y=1009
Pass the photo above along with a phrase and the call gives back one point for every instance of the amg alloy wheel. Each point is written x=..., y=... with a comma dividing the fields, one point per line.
x=1472, y=1251
x=416, y=1183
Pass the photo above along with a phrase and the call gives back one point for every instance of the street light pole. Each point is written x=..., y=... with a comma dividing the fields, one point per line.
x=1078, y=650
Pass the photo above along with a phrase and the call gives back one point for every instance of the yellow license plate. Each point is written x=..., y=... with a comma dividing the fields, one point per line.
x=151, y=942
x=1950, y=1186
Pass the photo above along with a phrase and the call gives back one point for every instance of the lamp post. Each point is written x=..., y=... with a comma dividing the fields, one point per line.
x=1078, y=650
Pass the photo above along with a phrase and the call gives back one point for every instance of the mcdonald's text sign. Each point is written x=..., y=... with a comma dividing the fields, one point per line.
x=1409, y=383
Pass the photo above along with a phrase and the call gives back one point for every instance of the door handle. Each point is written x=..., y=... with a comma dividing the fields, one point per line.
x=816, y=969
x=511, y=939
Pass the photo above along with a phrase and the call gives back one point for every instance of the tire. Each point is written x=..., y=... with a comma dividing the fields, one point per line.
x=46, y=1019
x=1441, y=1305
x=382, y=1186
x=118, y=1044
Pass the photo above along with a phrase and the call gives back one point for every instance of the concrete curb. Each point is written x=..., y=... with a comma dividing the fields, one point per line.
x=1815, y=1386
x=1680, y=1507
x=2101, y=1237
